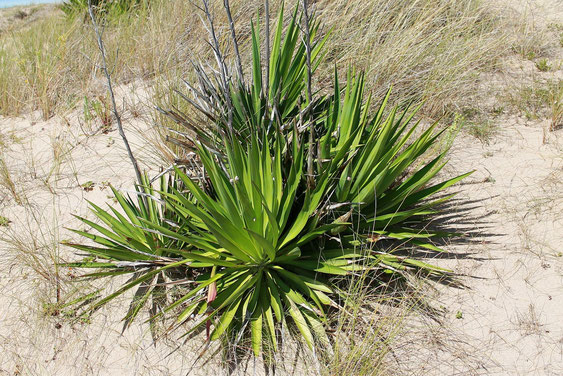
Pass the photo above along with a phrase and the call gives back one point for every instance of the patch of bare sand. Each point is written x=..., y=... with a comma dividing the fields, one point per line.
x=513, y=307
x=509, y=319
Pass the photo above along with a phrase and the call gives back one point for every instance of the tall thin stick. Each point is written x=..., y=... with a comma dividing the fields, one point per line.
x=112, y=96
x=225, y=77
x=234, y=38
x=267, y=10
x=310, y=178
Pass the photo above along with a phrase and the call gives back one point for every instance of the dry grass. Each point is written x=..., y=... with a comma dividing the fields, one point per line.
x=429, y=50
x=34, y=246
x=539, y=99
x=52, y=64
x=7, y=181
x=365, y=335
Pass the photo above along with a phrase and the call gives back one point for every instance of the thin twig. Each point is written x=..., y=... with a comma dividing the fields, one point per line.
x=112, y=96
x=234, y=38
x=267, y=10
x=310, y=177
x=220, y=61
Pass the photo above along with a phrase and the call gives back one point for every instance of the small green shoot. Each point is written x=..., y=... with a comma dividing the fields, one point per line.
x=543, y=65
x=4, y=222
x=88, y=186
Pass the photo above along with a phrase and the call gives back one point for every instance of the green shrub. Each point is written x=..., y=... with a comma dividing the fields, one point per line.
x=292, y=192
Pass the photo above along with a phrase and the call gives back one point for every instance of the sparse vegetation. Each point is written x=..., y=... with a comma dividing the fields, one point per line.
x=98, y=109
x=7, y=182
x=75, y=8
x=4, y=221
x=541, y=99
x=483, y=129
x=34, y=244
x=88, y=186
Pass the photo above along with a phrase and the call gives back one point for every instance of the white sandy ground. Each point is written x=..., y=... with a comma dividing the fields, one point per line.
x=511, y=311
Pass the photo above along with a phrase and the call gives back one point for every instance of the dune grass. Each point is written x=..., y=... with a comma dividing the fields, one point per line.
x=430, y=50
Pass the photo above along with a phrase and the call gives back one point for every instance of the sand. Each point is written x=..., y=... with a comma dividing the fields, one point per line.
x=507, y=321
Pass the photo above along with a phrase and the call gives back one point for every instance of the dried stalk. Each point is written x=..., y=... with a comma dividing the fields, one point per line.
x=225, y=78
x=310, y=177
x=112, y=96
x=234, y=38
x=267, y=10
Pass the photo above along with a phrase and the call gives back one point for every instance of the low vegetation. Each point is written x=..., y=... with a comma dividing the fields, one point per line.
x=290, y=192
x=539, y=99
x=428, y=50
x=77, y=8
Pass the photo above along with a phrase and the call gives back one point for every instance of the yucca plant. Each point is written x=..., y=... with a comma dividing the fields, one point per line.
x=237, y=108
x=124, y=246
x=292, y=189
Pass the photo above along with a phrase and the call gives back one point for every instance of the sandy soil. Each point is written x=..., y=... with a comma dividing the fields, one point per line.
x=19, y=16
x=512, y=310
x=507, y=321
x=509, y=318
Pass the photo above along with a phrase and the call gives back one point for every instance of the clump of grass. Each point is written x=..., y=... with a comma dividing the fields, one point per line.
x=4, y=222
x=367, y=330
x=430, y=50
x=20, y=14
x=483, y=129
x=34, y=244
x=7, y=181
x=477, y=123
x=88, y=186
x=530, y=40
x=98, y=110
x=540, y=99
x=543, y=65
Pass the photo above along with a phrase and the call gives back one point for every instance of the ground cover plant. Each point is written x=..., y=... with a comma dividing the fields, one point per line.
x=289, y=192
